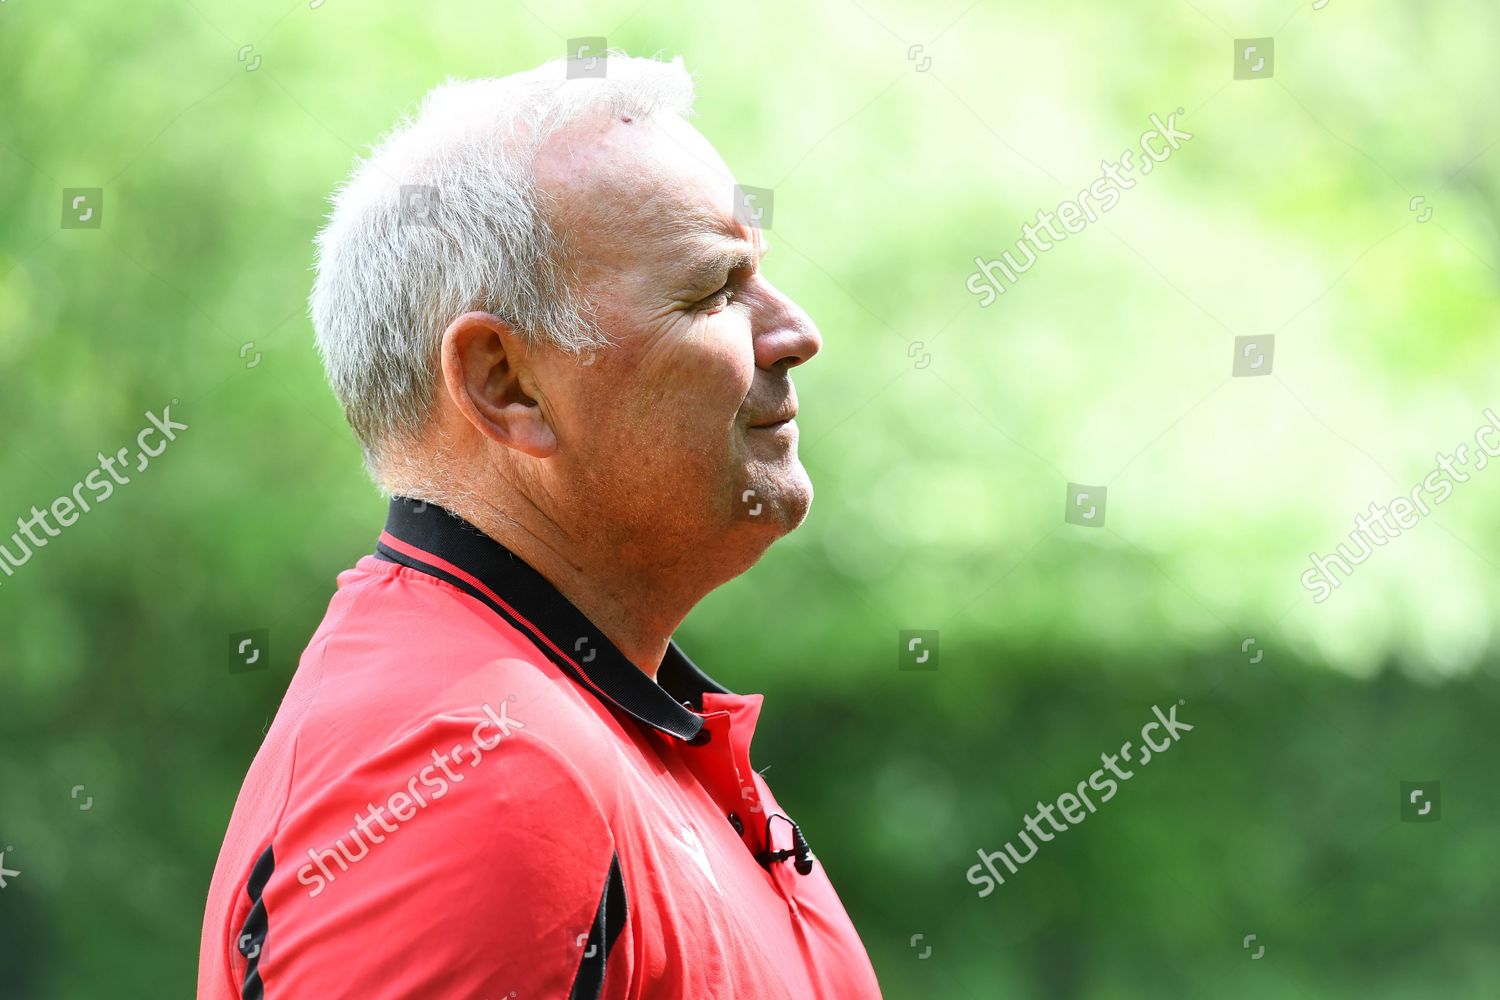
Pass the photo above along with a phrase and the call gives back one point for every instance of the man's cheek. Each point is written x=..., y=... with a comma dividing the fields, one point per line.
x=708, y=402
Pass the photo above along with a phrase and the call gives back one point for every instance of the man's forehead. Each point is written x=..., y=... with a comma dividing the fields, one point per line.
x=653, y=182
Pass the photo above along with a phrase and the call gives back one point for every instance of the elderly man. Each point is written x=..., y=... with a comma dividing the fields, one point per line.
x=494, y=774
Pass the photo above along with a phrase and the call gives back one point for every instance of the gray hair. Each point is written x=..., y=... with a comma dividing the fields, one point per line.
x=445, y=217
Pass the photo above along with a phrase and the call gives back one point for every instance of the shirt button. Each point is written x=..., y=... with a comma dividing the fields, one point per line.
x=737, y=823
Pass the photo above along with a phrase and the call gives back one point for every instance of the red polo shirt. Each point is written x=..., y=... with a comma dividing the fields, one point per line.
x=468, y=792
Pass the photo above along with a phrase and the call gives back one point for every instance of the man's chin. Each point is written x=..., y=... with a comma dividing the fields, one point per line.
x=799, y=500
x=778, y=502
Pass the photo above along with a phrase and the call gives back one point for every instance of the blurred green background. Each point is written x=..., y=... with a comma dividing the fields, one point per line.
x=940, y=467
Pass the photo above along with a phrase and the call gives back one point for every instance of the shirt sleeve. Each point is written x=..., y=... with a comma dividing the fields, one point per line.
x=469, y=860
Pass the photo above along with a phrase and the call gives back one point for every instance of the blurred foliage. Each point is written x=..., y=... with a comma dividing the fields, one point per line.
x=939, y=488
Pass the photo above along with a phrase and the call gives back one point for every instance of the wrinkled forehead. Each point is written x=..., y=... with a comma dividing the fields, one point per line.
x=638, y=193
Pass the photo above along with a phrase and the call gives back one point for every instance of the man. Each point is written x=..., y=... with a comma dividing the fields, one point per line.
x=494, y=774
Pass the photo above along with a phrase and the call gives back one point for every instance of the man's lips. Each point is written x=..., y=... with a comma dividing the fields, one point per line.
x=775, y=423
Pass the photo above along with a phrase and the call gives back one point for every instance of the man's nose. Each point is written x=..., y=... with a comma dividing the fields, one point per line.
x=785, y=336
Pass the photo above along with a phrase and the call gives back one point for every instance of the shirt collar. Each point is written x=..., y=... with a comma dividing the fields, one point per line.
x=434, y=541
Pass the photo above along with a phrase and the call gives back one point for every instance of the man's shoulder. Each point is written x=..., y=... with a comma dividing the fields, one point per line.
x=398, y=642
x=403, y=659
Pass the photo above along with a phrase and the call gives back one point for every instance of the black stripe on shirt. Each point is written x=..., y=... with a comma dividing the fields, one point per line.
x=609, y=921
x=251, y=940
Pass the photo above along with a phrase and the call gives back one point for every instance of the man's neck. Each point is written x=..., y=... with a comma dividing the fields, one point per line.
x=636, y=611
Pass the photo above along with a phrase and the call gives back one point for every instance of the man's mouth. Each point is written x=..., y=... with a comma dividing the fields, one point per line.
x=776, y=421
x=773, y=426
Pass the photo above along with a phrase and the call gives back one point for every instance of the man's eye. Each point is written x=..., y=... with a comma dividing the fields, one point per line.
x=718, y=300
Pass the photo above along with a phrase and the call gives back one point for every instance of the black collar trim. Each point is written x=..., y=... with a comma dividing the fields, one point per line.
x=431, y=540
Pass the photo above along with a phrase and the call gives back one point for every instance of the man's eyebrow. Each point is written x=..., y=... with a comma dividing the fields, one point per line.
x=708, y=266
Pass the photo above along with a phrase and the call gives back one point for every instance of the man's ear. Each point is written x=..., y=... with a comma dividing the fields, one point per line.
x=482, y=359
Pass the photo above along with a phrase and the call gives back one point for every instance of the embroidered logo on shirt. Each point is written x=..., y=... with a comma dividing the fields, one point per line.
x=689, y=839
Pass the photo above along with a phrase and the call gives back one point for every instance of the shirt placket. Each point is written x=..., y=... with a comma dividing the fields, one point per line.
x=722, y=763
